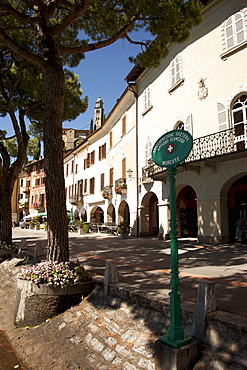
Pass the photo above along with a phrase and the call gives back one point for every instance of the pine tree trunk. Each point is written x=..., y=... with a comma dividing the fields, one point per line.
x=6, y=212
x=53, y=77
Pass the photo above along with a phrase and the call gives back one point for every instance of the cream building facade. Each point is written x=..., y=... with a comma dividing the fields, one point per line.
x=201, y=87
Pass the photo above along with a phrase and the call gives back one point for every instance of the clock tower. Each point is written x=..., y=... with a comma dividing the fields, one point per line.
x=98, y=113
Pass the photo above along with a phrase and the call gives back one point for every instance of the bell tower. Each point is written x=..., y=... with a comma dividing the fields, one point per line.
x=98, y=113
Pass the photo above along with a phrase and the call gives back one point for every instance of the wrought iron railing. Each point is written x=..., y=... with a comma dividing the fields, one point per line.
x=213, y=145
x=76, y=198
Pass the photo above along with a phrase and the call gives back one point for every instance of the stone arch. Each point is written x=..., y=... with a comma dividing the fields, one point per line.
x=123, y=212
x=83, y=215
x=76, y=215
x=234, y=192
x=187, y=212
x=111, y=213
x=149, y=215
x=97, y=215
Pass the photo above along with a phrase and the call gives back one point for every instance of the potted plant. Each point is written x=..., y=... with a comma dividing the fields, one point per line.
x=123, y=188
x=37, y=225
x=124, y=229
x=31, y=224
x=6, y=250
x=80, y=225
x=118, y=189
x=50, y=287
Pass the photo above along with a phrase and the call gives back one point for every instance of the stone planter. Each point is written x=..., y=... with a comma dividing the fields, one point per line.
x=81, y=231
x=37, y=227
x=4, y=253
x=37, y=303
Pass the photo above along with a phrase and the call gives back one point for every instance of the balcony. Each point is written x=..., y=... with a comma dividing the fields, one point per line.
x=107, y=192
x=229, y=143
x=121, y=186
x=24, y=189
x=76, y=199
x=39, y=206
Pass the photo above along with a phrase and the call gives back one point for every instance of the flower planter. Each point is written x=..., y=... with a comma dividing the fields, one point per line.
x=37, y=303
x=81, y=231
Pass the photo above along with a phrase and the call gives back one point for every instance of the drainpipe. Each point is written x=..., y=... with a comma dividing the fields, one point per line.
x=133, y=88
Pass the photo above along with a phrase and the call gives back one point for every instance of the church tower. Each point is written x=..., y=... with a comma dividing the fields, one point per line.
x=98, y=113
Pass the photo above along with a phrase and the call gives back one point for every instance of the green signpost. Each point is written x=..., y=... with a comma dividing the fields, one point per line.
x=169, y=150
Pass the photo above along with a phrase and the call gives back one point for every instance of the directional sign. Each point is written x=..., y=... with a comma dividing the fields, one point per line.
x=172, y=148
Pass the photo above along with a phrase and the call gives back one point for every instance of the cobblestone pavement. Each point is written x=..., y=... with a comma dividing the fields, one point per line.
x=112, y=334
x=97, y=334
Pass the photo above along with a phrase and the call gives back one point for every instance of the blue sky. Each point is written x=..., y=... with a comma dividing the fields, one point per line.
x=101, y=73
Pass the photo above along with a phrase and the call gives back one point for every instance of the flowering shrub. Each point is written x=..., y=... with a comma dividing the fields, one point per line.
x=55, y=273
x=4, y=245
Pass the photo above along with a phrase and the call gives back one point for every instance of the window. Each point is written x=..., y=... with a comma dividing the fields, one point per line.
x=85, y=186
x=72, y=166
x=147, y=101
x=111, y=172
x=102, y=181
x=110, y=139
x=175, y=70
x=234, y=30
x=102, y=152
x=67, y=169
x=91, y=185
x=239, y=115
x=147, y=152
x=176, y=73
x=222, y=117
x=123, y=125
x=80, y=187
x=76, y=168
x=92, y=157
x=86, y=163
x=185, y=125
x=124, y=168
x=188, y=124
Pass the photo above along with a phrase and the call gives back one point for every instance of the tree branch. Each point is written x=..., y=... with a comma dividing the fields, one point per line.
x=76, y=12
x=20, y=51
x=100, y=44
x=135, y=42
x=15, y=13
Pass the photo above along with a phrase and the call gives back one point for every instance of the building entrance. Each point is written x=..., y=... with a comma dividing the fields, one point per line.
x=237, y=210
x=187, y=212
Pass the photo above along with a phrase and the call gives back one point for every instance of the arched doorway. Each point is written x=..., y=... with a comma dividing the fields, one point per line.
x=237, y=210
x=149, y=215
x=83, y=215
x=123, y=212
x=111, y=214
x=76, y=216
x=97, y=215
x=187, y=212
